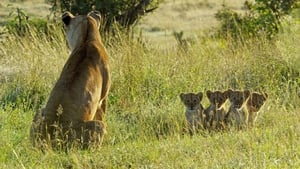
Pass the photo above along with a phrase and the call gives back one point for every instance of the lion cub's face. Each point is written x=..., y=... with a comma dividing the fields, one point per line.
x=191, y=101
x=257, y=100
x=237, y=98
x=217, y=98
x=77, y=27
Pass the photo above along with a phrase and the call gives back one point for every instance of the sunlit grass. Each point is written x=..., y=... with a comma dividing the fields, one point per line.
x=145, y=117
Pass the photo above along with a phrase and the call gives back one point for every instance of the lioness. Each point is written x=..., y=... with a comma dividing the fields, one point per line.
x=194, y=110
x=76, y=105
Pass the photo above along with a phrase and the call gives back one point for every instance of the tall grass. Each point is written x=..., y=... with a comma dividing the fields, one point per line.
x=145, y=118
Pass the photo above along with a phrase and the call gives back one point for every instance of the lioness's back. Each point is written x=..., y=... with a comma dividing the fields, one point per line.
x=80, y=94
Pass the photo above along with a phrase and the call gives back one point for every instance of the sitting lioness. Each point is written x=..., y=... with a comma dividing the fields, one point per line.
x=77, y=103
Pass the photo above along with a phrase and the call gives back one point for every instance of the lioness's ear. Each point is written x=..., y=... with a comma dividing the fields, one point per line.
x=97, y=16
x=66, y=18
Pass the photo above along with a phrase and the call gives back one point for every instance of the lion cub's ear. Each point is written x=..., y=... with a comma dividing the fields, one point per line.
x=208, y=93
x=229, y=92
x=226, y=93
x=200, y=95
x=97, y=16
x=182, y=96
x=66, y=17
x=246, y=94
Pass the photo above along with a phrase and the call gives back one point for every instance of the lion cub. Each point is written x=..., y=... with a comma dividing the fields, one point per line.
x=216, y=112
x=194, y=110
x=254, y=103
x=238, y=113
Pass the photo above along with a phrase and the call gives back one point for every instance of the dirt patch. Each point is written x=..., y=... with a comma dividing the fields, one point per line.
x=33, y=8
x=172, y=16
x=188, y=16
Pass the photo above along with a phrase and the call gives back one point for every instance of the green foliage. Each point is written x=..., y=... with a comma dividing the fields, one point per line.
x=82, y=7
x=264, y=17
x=21, y=24
x=124, y=12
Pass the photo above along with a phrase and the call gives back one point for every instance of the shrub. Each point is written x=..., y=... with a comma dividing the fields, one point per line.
x=124, y=12
x=264, y=17
x=22, y=24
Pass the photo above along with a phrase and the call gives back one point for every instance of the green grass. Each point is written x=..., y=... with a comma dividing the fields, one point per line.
x=145, y=117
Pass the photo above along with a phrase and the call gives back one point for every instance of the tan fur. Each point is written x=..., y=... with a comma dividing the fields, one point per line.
x=77, y=102
x=254, y=103
x=194, y=110
x=238, y=113
x=216, y=111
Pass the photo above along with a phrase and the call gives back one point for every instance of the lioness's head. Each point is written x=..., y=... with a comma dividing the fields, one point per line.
x=217, y=98
x=192, y=101
x=237, y=98
x=80, y=28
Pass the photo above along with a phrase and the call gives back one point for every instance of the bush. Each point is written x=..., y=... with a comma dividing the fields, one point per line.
x=22, y=24
x=124, y=12
x=264, y=17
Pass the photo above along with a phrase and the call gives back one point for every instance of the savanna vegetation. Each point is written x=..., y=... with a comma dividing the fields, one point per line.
x=124, y=13
x=145, y=118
